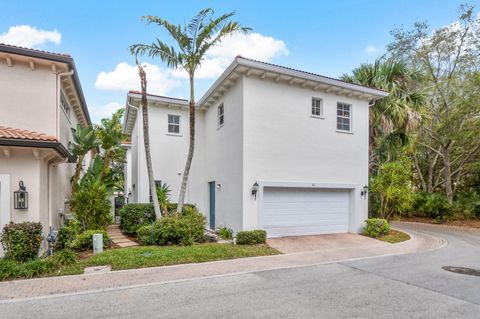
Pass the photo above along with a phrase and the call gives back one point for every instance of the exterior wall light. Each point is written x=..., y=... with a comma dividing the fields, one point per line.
x=255, y=189
x=364, y=192
x=20, y=197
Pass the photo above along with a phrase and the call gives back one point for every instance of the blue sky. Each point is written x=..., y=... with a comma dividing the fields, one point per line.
x=325, y=37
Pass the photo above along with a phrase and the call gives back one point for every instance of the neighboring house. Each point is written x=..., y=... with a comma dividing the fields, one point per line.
x=41, y=101
x=301, y=137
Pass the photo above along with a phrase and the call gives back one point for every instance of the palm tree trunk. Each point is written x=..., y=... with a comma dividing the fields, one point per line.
x=146, y=141
x=78, y=169
x=191, y=148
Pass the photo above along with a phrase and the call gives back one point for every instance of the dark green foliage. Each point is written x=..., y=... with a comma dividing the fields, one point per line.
x=251, y=237
x=135, y=216
x=65, y=257
x=433, y=205
x=84, y=241
x=22, y=241
x=37, y=267
x=184, y=228
x=225, y=233
x=8, y=269
x=467, y=205
x=67, y=234
x=376, y=227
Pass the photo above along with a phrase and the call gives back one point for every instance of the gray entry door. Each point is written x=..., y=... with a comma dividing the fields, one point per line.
x=211, y=188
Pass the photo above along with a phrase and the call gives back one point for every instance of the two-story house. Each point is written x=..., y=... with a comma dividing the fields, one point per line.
x=42, y=100
x=276, y=148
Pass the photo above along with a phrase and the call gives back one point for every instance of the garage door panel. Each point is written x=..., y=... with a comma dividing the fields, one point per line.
x=297, y=211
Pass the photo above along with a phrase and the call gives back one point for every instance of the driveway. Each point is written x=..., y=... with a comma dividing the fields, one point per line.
x=399, y=286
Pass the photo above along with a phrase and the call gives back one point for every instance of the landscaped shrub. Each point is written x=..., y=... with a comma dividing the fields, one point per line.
x=35, y=268
x=65, y=257
x=21, y=241
x=225, y=233
x=67, y=234
x=172, y=207
x=467, y=205
x=8, y=269
x=434, y=205
x=84, y=241
x=90, y=204
x=376, y=227
x=135, y=216
x=251, y=237
x=185, y=228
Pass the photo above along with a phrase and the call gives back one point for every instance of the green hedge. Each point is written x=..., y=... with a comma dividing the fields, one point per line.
x=135, y=216
x=84, y=241
x=67, y=234
x=376, y=227
x=185, y=228
x=21, y=241
x=251, y=237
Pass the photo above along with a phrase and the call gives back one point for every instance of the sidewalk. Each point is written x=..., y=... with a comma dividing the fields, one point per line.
x=34, y=288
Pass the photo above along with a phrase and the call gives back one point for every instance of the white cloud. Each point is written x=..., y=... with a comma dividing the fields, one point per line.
x=105, y=111
x=371, y=49
x=162, y=80
x=125, y=77
x=30, y=37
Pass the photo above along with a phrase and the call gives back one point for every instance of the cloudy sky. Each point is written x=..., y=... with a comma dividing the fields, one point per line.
x=325, y=37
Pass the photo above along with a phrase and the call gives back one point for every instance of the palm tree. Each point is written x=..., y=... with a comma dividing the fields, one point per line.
x=193, y=40
x=84, y=140
x=146, y=134
x=110, y=134
x=391, y=118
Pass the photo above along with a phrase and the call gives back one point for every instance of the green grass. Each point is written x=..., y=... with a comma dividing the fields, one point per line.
x=394, y=236
x=152, y=256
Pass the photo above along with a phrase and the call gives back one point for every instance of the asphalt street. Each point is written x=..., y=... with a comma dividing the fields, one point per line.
x=402, y=286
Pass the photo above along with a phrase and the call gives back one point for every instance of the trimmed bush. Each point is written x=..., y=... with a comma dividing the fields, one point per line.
x=135, y=216
x=225, y=233
x=67, y=234
x=21, y=241
x=185, y=228
x=251, y=237
x=172, y=207
x=376, y=227
x=84, y=241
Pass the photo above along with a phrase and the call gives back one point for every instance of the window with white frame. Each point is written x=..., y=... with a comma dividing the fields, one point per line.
x=173, y=124
x=221, y=115
x=344, y=117
x=64, y=104
x=317, y=107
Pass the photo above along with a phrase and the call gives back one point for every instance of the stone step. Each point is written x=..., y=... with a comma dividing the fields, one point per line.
x=130, y=244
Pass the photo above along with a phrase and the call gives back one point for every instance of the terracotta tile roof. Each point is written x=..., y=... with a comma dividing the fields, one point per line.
x=19, y=134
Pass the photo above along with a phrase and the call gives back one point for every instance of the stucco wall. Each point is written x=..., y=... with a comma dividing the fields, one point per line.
x=282, y=142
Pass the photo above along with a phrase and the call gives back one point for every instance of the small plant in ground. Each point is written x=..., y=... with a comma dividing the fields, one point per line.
x=67, y=234
x=65, y=257
x=8, y=269
x=84, y=241
x=163, y=192
x=251, y=237
x=376, y=227
x=225, y=233
x=21, y=241
x=38, y=267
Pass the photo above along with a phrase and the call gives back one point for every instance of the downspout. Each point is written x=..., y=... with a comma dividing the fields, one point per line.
x=138, y=152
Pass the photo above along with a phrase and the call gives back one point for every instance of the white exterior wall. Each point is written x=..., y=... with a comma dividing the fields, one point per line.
x=283, y=143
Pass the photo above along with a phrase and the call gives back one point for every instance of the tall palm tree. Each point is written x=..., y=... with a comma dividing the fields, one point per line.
x=391, y=118
x=146, y=134
x=193, y=41
x=84, y=140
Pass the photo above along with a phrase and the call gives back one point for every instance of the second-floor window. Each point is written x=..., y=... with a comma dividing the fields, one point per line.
x=64, y=104
x=173, y=124
x=221, y=115
x=344, y=117
x=317, y=107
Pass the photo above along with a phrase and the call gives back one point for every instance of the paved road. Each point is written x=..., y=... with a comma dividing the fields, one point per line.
x=403, y=286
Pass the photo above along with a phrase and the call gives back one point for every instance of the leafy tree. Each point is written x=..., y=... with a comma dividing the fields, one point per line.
x=392, y=188
x=84, y=140
x=193, y=42
x=448, y=59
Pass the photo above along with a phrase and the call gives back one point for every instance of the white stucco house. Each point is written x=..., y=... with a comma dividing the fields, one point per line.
x=300, y=137
x=42, y=100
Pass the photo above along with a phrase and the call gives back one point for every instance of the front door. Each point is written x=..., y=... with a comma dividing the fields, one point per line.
x=211, y=188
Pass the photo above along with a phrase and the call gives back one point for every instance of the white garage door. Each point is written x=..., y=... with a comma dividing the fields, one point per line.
x=304, y=211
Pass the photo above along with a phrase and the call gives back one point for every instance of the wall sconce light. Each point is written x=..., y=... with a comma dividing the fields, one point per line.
x=255, y=189
x=219, y=186
x=20, y=197
x=364, y=192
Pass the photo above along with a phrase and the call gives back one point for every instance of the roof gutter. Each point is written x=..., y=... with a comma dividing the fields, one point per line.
x=57, y=146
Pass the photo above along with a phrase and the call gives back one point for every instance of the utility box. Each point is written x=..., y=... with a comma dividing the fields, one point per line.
x=97, y=243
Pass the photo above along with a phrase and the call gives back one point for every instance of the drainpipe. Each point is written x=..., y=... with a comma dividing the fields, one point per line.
x=138, y=153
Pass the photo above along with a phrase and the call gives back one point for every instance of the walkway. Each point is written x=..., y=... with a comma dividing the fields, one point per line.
x=118, y=238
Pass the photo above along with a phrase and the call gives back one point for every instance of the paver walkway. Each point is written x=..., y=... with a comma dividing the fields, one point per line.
x=118, y=238
x=32, y=288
